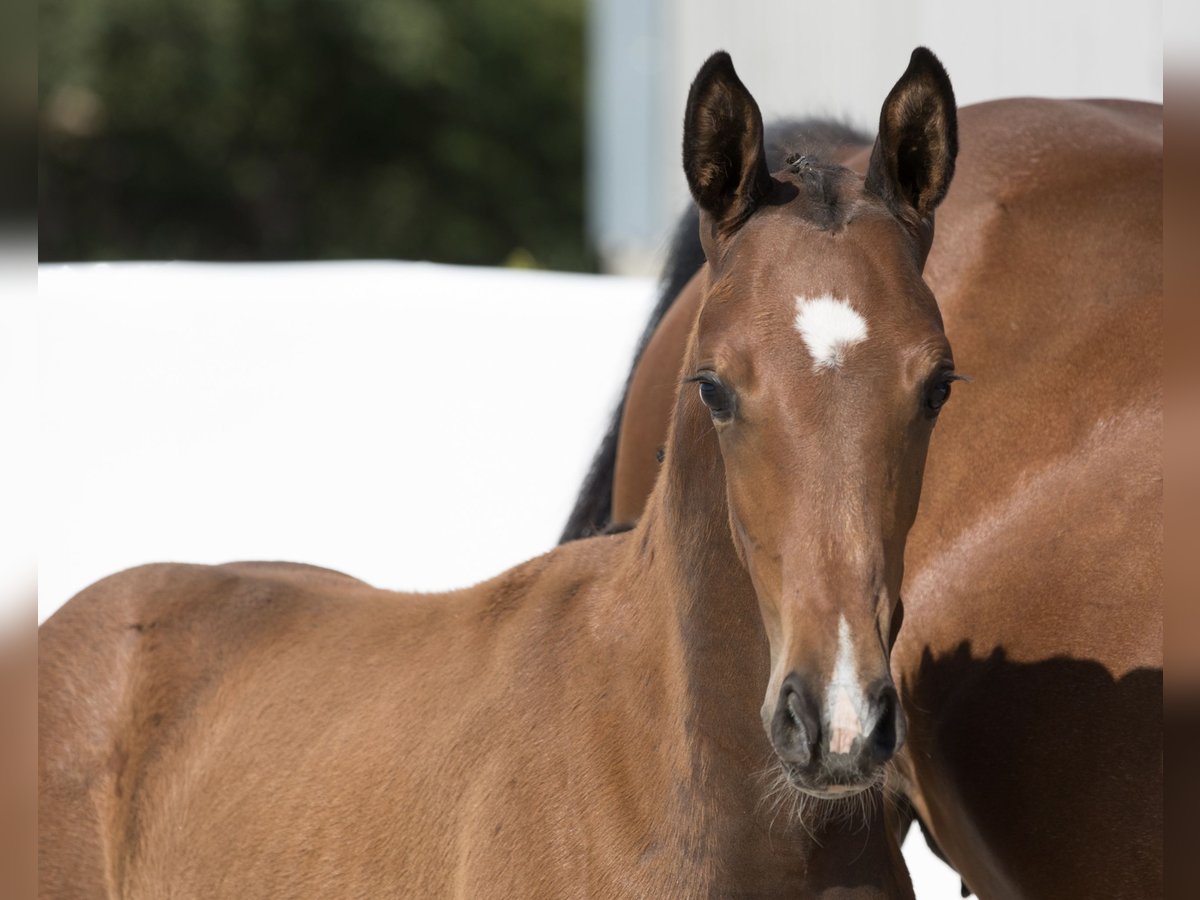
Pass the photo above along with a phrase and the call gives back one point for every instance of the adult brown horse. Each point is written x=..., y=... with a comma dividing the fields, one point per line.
x=595, y=721
x=1030, y=661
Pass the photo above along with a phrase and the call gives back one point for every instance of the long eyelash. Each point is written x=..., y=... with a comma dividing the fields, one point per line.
x=959, y=378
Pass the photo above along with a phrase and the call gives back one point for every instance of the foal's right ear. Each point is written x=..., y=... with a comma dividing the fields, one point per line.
x=913, y=159
x=723, y=154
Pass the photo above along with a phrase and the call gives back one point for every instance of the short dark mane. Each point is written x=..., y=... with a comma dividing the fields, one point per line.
x=786, y=141
x=821, y=184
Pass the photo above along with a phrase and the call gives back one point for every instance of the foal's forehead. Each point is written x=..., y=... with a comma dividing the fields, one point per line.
x=866, y=267
x=827, y=290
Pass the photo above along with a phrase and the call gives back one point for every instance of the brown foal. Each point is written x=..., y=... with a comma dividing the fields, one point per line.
x=622, y=716
x=1031, y=656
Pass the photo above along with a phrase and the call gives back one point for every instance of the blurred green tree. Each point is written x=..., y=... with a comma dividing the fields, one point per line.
x=449, y=130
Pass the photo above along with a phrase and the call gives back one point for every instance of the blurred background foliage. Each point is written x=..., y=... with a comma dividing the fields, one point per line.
x=449, y=130
x=18, y=109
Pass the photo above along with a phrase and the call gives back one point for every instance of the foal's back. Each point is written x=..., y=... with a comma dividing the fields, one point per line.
x=217, y=731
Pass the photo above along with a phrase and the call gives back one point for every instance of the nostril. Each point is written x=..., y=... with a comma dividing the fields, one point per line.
x=795, y=730
x=885, y=736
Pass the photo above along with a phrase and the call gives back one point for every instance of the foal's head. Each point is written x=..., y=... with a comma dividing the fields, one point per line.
x=820, y=356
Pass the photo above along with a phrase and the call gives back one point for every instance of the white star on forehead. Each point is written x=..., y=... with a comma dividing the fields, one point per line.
x=828, y=326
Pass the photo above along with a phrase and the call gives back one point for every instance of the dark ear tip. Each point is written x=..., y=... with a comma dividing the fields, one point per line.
x=720, y=63
x=922, y=56
x=924, y=62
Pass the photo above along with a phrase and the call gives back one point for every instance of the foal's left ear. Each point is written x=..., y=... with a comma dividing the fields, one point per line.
x=723, y=155
x=913, y=159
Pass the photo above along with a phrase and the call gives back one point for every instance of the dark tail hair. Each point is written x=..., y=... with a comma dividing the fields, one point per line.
x=817, y=138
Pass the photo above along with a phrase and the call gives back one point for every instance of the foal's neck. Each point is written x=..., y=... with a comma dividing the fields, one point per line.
x=705, y=590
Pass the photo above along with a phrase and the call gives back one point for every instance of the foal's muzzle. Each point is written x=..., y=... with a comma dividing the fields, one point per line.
x=831, y=745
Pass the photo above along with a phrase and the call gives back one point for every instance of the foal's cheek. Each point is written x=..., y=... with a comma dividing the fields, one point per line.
x=766, y=579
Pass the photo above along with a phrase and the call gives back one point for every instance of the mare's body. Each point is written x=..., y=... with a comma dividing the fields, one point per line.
x=1030, y=660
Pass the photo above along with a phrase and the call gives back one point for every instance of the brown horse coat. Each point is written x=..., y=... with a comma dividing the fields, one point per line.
x=1030, y=660
x=265, y=730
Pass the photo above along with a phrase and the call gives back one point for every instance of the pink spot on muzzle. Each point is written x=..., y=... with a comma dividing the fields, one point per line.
x=845, y=726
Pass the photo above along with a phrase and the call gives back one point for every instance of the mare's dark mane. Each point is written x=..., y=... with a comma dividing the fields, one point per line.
x=806, y=145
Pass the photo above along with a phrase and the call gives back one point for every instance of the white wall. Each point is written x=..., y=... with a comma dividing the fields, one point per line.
x=841, y=58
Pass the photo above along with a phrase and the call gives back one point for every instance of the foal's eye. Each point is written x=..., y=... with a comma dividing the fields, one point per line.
x=938, y=394
x=716, y=398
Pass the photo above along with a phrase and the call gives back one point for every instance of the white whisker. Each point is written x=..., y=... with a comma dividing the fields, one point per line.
x=810, y=812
